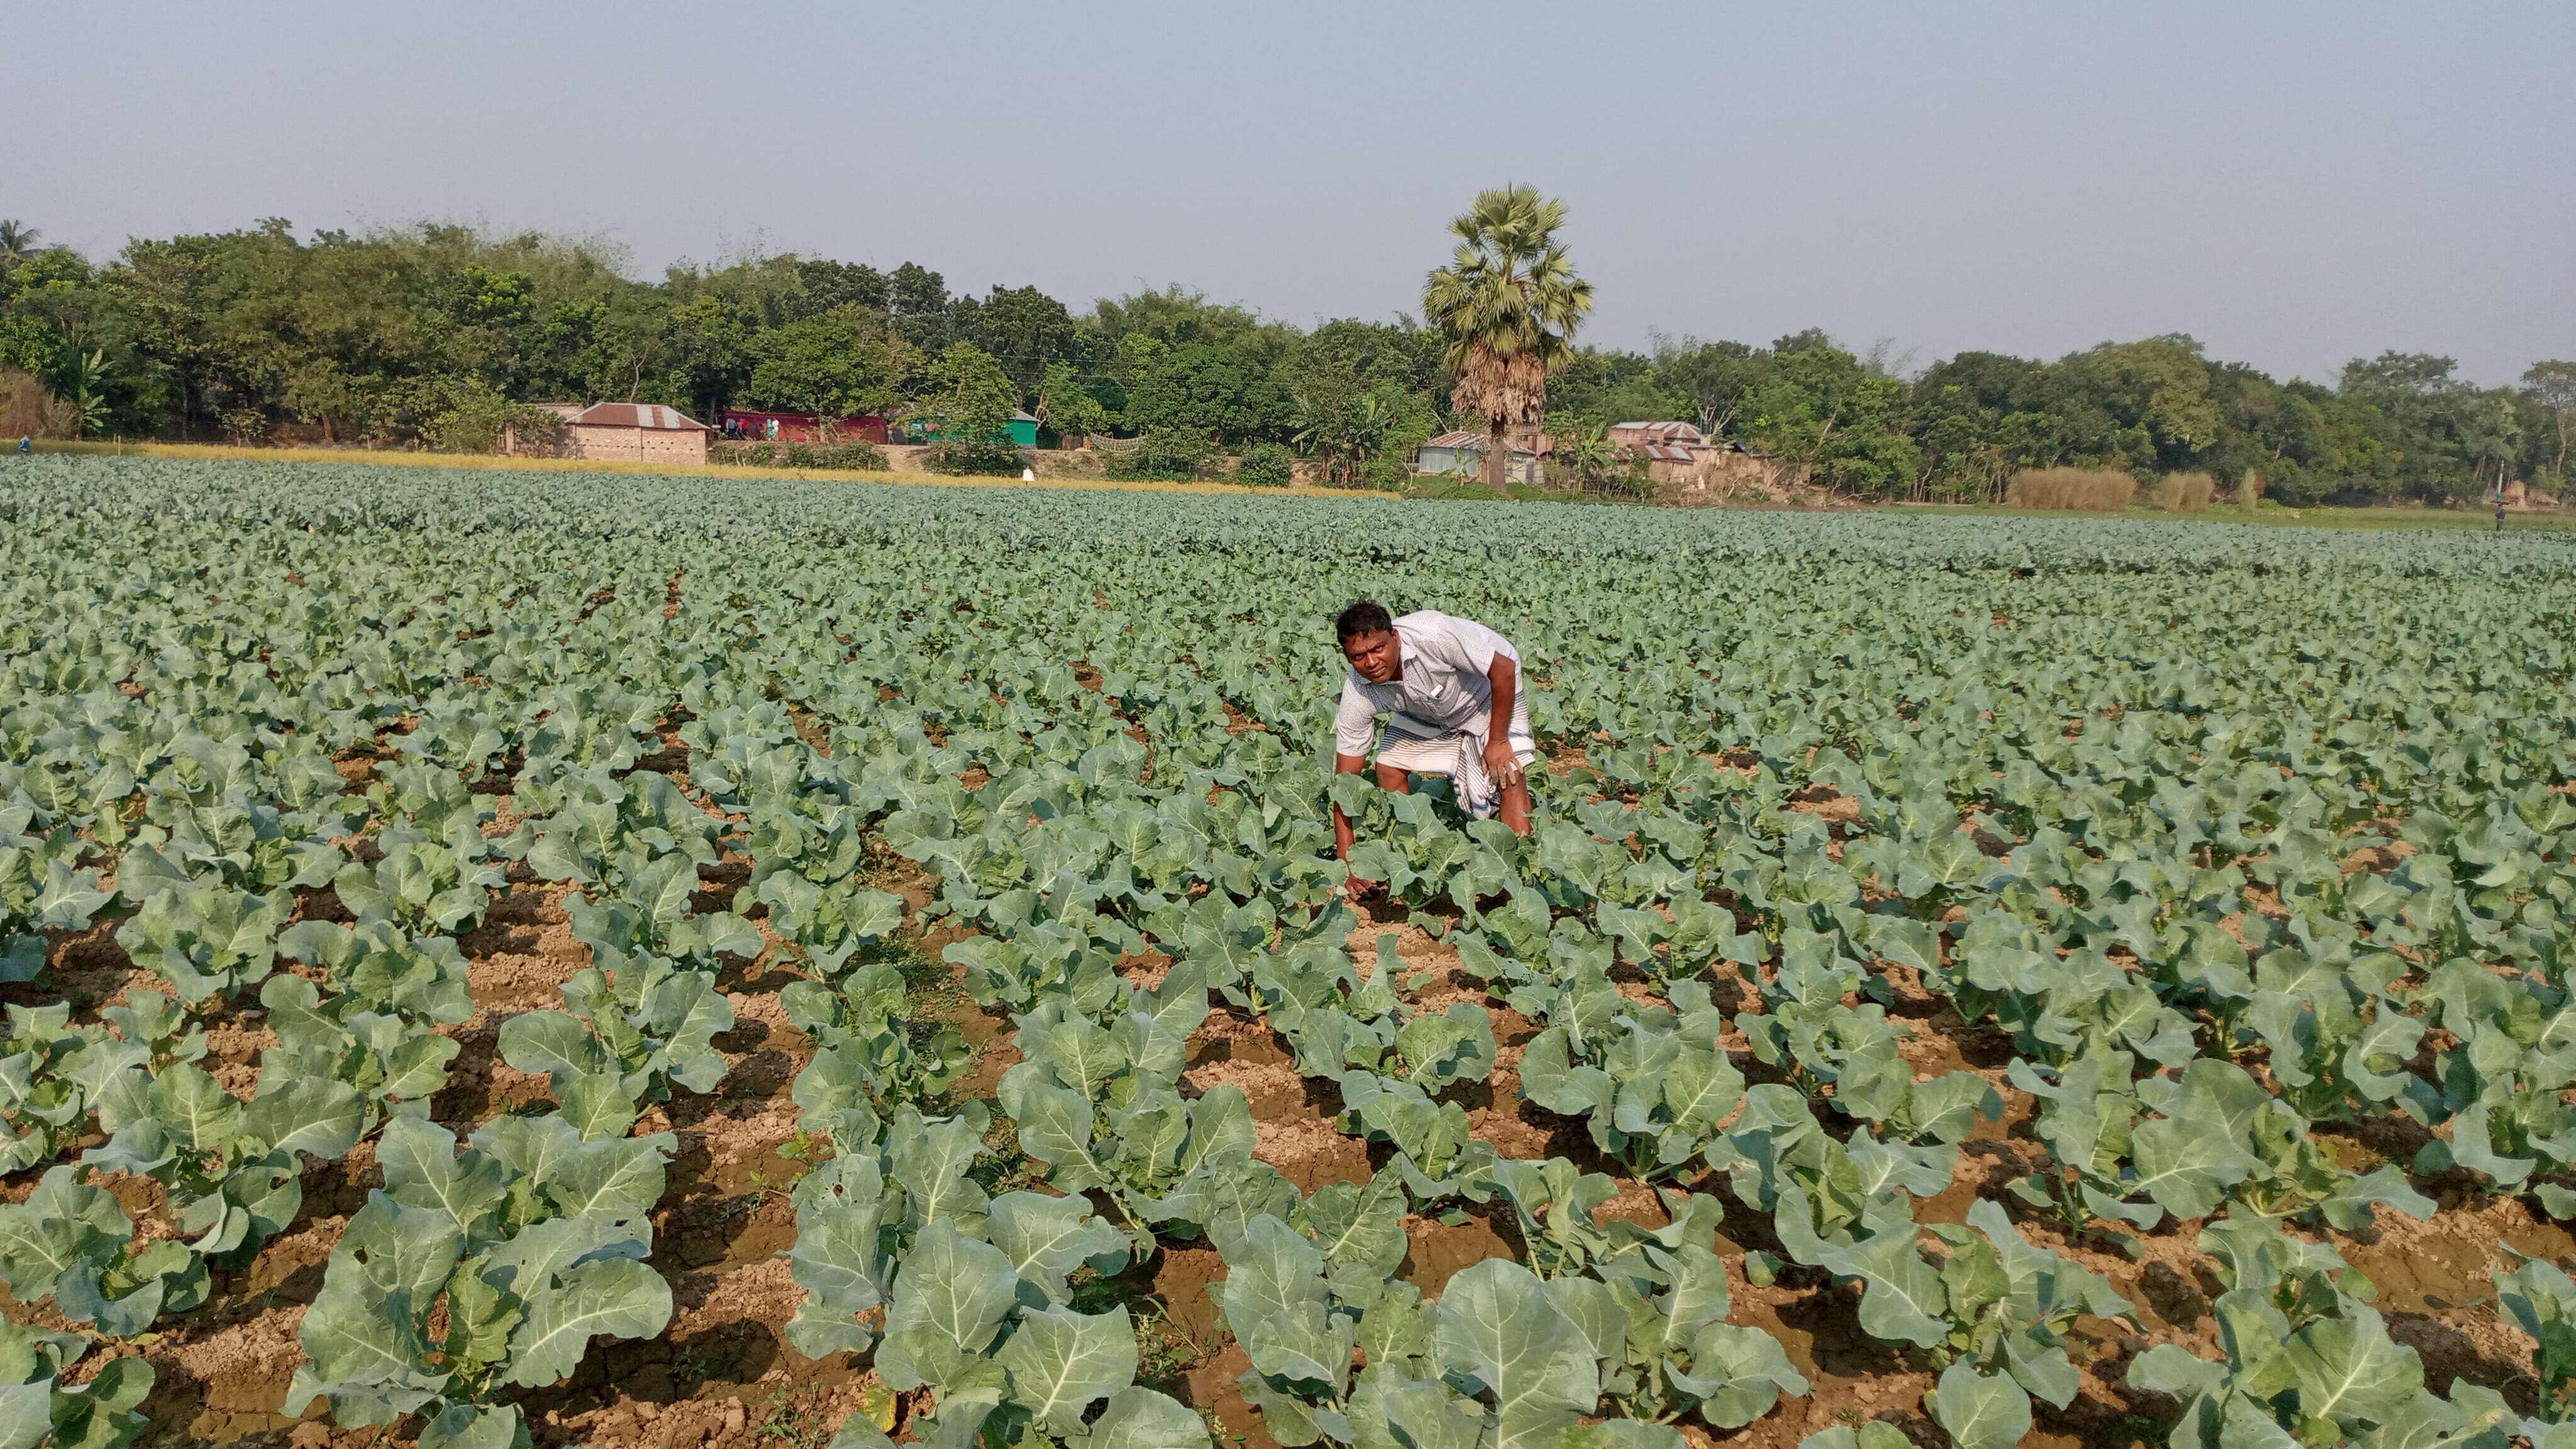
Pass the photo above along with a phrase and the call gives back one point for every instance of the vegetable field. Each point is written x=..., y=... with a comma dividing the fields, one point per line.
x=579, y=959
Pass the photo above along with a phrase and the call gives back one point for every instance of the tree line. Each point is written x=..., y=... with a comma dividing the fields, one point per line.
x=440, y=335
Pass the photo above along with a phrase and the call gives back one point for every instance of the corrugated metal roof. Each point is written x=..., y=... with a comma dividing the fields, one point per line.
x=650, y=416
x=1664, y=432
x=1663, y=452
x=1475, y=441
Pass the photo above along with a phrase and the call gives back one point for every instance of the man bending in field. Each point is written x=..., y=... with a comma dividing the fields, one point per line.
x=1442, y=682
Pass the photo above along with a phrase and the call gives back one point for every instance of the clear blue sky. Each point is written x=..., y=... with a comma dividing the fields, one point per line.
x=2293, y=183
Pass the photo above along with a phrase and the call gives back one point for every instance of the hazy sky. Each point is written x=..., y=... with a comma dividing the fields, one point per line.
x=2294, y=184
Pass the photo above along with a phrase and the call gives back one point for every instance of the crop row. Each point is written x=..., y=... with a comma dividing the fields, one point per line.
x=2240, y=855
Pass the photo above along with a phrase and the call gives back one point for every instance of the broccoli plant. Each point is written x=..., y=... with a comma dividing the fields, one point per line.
x=393, y=1065
x=467, y=1275
x=206, y=938
x=1649, y=1082
x=1992, y=1312
x=829, y=923
x=71, y=1242
x=423, y=883
x=42, y=888
x=2216, y=1137
x=1101, y=1106
x=650, y=915
x=623, y=1041
x=1503, y=1353
x=871, y=1052
x=38, y=1408
x=228, y=1167
x=975, y=1299
x=2302, y=1357
x=51, y=1073
x=2542, y=1303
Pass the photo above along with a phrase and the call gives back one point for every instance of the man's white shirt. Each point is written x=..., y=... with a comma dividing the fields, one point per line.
x=1444, y=690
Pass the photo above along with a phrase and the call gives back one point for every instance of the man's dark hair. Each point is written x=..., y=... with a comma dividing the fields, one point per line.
x=1366, y=616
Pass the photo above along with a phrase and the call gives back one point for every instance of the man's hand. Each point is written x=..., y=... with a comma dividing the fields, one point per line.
x=1502, y=763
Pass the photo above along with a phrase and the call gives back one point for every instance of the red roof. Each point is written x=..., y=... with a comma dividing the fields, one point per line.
x=650, y=416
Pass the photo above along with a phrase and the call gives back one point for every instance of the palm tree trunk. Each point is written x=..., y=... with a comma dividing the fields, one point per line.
x=1494, y=453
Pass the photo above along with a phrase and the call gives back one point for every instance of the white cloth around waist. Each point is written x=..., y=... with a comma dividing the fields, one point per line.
x=1460, y=756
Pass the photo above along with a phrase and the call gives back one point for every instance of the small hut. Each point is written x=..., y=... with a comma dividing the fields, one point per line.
x=1464, y=453
x=636, y=433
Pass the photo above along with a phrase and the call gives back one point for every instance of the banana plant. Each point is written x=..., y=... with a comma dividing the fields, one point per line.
x=37, y=1408
x=469, y=1275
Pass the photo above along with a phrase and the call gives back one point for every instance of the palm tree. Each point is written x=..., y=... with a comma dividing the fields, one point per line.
x=17, y=242
x=1508, y=304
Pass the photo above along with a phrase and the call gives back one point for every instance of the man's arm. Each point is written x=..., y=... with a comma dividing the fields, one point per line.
x=1354, y=730
x=1504, y=674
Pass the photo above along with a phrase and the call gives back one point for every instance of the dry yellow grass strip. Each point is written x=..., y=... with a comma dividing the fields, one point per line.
x=392, y=459
x=2090, y=490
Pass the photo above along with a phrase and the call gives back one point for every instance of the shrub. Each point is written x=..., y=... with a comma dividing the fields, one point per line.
x=2096, y=490
x=855, y=456
x=761, y=453
x=478, y=420
x=1174, y=457
x=798, y=455
x=959, y=458
x=2182, y=492
x=1265, y=465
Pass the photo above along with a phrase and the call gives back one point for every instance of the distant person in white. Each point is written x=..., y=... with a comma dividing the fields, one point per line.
x=1441, y=681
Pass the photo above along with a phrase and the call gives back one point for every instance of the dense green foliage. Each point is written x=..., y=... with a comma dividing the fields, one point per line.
x=434, y=334
x=2225, y=850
